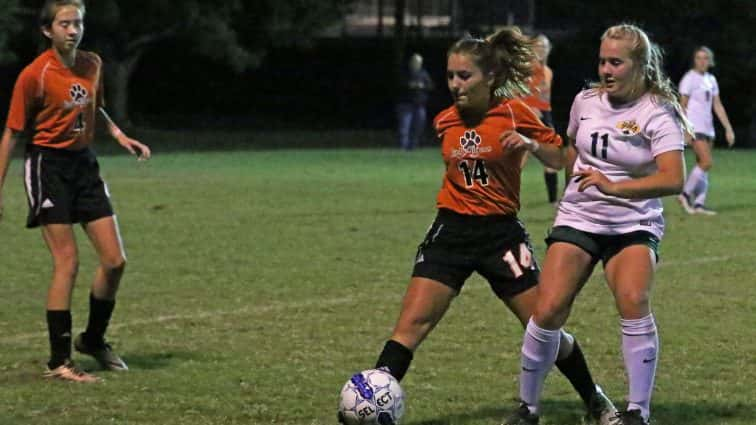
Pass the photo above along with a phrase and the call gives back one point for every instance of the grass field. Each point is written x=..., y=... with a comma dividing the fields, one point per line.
x=259, y=281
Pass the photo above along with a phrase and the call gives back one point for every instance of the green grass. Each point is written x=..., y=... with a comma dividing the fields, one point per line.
x=259, y=281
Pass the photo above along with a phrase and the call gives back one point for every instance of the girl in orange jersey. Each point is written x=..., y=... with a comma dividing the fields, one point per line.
x=484, y=136
x=57, y=97
x=539, y=100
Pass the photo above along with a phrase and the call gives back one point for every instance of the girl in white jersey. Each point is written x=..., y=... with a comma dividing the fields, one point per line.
x=626, y=152
x=699, y=95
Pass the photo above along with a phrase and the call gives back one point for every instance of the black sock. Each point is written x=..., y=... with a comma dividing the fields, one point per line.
x=59, y=330
x=396, y=358
x=576, y=370
x=100, y=312
x=551, y=185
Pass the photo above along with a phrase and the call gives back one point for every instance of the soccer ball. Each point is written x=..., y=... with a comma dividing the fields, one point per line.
x=371, y=397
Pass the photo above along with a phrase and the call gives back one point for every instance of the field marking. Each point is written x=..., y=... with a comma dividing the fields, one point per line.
x=311, y=303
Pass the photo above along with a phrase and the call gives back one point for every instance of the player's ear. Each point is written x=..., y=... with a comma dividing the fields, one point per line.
x=46, y=31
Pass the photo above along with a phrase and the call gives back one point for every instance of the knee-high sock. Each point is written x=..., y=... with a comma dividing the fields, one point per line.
x=703, y=189
x=692, y=185
x=640, y=347
x=539, y=351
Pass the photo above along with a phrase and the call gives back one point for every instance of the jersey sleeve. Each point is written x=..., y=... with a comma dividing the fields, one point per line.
x=22, y=101
x=664, y=130
x=528, y=124
x=572, y=127
x=714, y=86
x=686, y=84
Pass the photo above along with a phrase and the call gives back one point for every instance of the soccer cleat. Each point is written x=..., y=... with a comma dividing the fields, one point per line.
x=684, y=200
x=103, y=353
x=629, y=417
x=522, y=416
x=601, y=411
x=69, y=372
x=700, y=209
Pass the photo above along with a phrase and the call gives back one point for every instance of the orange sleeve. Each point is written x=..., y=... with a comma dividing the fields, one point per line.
x=22, y=101
x=528, y=124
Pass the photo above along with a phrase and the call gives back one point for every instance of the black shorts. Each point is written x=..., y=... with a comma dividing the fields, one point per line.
x=704, y=137
x=497, y=247
x=603, y=247
x=64, y=187
x=547, y=118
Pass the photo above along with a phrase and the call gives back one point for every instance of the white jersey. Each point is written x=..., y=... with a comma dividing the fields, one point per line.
x=621, y=141
x=700, y=89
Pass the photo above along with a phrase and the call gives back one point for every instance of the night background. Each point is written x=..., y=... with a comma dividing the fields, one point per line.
x=333, y=65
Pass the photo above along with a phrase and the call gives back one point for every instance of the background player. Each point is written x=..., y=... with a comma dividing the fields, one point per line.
x=56, y=98
x=699, y=94
x=540, y=100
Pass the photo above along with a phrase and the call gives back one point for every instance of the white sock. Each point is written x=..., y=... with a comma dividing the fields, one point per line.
x=703, y=188
x=640, y=347
x=694, y=178
x=539, y=352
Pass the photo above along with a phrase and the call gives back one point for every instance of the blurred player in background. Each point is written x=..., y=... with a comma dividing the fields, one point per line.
x=411, y=113
x=626, y=148
x=484, y=136
x=699, y=94
x=56, y=99
x=539, y=100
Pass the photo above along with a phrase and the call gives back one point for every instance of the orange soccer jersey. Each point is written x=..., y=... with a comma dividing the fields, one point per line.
x=482, y=178
x=58, y=103
x=540, y=92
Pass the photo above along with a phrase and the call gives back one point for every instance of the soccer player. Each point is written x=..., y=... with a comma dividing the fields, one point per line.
x=484, y=136
x=539, y=100
x=699, y=93
x=56, y=99
x=626, y=146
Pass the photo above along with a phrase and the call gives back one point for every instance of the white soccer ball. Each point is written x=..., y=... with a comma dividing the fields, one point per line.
x=371, y=397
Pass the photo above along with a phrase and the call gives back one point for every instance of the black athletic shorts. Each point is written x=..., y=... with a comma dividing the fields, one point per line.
x=497, y=247
x=704, y=137
x=64, y=187
x=547, y=118
x=603, y=247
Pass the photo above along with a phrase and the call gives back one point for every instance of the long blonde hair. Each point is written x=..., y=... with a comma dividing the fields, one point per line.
x=507, y=54
x=648, y=70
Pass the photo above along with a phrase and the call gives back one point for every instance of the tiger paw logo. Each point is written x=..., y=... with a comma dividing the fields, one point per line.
x=79, y=95
x=470, y=145
x=628, y=128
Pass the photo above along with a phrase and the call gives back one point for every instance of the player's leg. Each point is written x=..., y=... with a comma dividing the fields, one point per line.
x=424, y=304
x=550, y=177
x=61, y=242
x=106, y=240
x=630, y=274
x=404, y=124
x=697, y=184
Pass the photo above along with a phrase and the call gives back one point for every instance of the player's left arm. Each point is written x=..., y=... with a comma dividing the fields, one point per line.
x=133, y=146
x=722, y=115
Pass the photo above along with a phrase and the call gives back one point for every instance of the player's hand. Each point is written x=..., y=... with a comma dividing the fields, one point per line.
x=513, y=140
x=730, y=137
x=590, y=177
x=135, y=148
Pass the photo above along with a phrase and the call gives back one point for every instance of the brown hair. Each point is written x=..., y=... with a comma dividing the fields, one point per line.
x=507, y=54
x=50, y=9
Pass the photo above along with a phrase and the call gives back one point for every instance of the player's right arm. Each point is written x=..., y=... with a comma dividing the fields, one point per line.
x=7, y=143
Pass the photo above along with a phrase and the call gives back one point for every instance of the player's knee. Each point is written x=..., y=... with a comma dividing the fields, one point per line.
x=706, y=164
x=114, y=264
x=66, y=261
x=550, y=314
x=634, y=301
